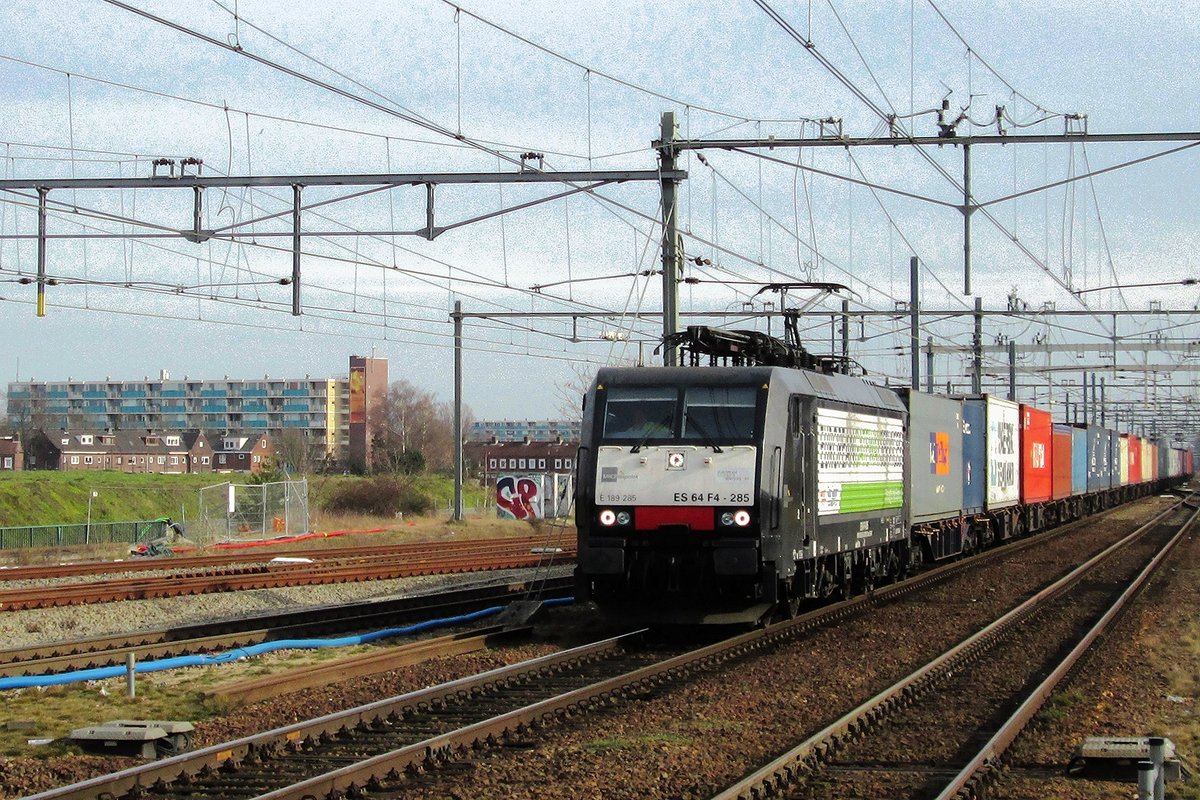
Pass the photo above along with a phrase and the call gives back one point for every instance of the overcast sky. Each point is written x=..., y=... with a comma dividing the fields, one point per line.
x=94, y=90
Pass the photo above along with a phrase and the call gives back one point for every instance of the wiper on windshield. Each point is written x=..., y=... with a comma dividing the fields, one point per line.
x=653, y=429
x=708, y=440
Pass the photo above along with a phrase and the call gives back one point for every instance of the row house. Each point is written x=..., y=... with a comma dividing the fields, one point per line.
x=490, y=459
x=148, y=451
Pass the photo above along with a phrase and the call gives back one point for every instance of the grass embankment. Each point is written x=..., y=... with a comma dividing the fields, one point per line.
x=56, y=498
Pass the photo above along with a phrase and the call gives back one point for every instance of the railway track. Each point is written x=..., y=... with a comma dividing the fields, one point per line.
x=267, y=576
x=414, y=550
x=238, y=632
x=373, y=746
x=942, y=731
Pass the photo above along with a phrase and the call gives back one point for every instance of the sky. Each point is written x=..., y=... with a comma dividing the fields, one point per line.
x=95, y=90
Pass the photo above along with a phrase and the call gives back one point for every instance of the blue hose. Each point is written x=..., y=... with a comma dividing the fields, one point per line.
x=100, y=673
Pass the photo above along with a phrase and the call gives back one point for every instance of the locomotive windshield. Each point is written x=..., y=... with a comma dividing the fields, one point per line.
x=718, y=412
x=703, y=413
x=637, y=412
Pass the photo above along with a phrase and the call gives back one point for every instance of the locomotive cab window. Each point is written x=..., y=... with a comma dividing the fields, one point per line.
x=719, y=413
x=636, y=412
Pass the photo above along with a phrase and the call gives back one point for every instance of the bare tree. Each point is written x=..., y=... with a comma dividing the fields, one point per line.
x=413, y=421
x=294, y=451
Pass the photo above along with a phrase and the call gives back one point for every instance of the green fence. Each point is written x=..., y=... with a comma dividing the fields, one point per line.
x=76, y=534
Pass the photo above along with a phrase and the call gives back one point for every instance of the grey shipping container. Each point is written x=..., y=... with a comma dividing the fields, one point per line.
x=1100, y=460
x=935, y=444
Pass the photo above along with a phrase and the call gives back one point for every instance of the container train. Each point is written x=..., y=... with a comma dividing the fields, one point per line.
x=726, y=494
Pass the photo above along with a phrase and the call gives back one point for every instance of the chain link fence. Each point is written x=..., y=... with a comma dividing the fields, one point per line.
x=231, y=512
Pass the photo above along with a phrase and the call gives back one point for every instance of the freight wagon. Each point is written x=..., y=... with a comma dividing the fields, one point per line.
x=723, y=494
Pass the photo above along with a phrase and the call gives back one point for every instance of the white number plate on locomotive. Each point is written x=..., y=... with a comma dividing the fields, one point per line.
x=672, y=475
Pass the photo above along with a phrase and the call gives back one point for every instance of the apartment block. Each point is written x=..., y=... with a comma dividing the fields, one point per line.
x=318, y=408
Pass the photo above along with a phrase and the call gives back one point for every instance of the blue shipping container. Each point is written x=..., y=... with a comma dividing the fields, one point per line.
x=1079, y=461
x=974, y=458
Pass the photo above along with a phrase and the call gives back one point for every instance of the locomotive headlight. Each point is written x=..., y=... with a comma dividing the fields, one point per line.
x=727, y=518
x=741, y=518
x=607, y=517
x=623, y=517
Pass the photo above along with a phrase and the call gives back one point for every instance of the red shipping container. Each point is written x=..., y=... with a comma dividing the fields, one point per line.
x=1036, y=453
x=1135, y=459
x=1060, y=462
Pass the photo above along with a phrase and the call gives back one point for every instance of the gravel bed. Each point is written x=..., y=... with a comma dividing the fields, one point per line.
x=1118, y=691
x=684, y=742
x=47, y=625
x=977, y=696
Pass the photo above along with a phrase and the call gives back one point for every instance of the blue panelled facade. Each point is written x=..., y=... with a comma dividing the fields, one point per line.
x=318, y=407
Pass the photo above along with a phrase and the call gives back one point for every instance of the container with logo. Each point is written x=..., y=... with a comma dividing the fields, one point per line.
x=1002, y=454
x=935, y=456
x=1036, y=451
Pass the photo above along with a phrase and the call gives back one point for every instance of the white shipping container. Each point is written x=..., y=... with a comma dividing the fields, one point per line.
x=1147, y=462
x=1003, y=454
x=1124, y=459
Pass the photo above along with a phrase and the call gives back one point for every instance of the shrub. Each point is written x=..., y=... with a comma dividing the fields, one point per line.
x=381, y=496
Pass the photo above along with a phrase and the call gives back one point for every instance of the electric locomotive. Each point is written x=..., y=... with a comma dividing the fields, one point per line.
x=717, y=494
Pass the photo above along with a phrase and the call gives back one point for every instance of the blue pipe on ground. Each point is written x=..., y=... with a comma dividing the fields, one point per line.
x=101, y=673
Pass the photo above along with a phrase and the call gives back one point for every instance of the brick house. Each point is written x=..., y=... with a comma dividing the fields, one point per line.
x=12, y=456
x=241, y=452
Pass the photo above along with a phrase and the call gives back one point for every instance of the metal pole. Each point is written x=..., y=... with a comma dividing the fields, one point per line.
x=1145, y=780
x=967, y=209
x=977, y=363
x=846, y=336
x=458, y=400
x=1157, y=756
x=41, y=251
x=1012, y=371
x=1095, y=407
x=295, y=249
x=87, y=532
x=1102, y=403
x=130, y=672
x=670, y=253
x=929, y=366
x=914, y=333
x=1087, y=420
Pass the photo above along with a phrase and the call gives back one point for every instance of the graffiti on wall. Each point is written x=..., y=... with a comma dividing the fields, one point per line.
x=518, y=497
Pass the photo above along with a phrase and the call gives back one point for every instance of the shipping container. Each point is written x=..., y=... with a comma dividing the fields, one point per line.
x=1003, y=454
x=1135, y=460
x=1163, y=459
x=1101, y=464
x=935, y=487
x=974, y=457
x=1060, y=462
x=1147, y=461
x=1079, y=460
x=1123, y=456
x=1036, y=476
